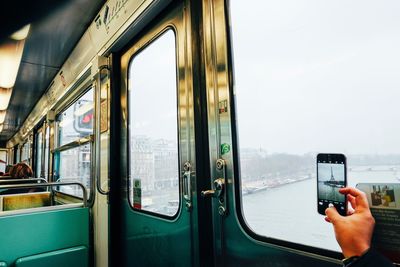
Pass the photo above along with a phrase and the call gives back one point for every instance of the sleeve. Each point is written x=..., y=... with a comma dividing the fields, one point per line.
x=371, y=259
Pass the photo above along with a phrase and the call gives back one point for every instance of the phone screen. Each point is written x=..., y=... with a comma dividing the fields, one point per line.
x=331, y=176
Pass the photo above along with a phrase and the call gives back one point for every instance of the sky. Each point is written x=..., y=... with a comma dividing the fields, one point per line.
x=317, y=75
x=153, y=90
x=310, y=76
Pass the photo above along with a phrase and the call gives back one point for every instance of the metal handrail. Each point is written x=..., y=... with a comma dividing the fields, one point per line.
x=73, y=144
x=3, y=181
x=97, y=171
x=49, y=185
x=67, y=179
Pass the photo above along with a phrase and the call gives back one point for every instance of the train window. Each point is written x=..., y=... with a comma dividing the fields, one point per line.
x=77, y=120
x=73, y=153
x=3, y=160
x=312, y=76
x=25, y=152
x=39, y=153
x=74, y=166
x=153, y=136
x=46, y=152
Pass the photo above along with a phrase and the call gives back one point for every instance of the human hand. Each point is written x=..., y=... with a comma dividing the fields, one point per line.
x=353, y=232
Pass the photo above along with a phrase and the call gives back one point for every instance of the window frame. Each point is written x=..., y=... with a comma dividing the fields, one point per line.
x=15, y=154
x=54, y=155
x=286, y=244
x=142, y=46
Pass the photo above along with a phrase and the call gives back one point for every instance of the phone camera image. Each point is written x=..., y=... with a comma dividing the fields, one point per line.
x=331, y=176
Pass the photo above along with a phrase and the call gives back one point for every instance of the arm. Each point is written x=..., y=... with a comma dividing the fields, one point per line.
x=354, y=232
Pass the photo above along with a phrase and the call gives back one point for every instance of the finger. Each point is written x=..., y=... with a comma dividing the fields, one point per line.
x=361, y=197
x=332, y=215
x=350, y=210
x=352, y=201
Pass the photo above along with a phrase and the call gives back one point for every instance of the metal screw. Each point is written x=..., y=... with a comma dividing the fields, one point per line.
x=220, y=164
x=221, y=211
x=186, y=166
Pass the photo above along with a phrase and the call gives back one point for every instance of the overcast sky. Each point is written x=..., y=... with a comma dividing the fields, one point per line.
x=153, y=90
x=310, y=76
x=318, y=75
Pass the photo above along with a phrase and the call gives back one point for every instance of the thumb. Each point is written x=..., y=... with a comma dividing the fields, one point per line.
x=332, y=214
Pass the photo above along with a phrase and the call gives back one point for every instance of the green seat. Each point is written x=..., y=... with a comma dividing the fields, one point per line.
x=34, y=238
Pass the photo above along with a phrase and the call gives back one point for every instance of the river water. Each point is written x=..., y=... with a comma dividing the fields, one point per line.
x=289, y=212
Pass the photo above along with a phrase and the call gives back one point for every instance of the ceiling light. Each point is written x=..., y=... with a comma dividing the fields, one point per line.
x=10, y=58
x=5, y=95
x=21, y=34
x=2, y=116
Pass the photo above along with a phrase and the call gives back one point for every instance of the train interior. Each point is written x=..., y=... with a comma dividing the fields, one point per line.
x=193, y=133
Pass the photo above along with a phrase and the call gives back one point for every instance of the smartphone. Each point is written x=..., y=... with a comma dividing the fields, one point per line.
x=331, y=176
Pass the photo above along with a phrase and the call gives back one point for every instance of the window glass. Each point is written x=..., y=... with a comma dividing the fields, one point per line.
x=46, y=153
x=153, y=137
x=25, y=152
x=39, y=153
x=74, y=166
x=72, y=163
x=77, y=120
x=312, y=77
x=3, y=160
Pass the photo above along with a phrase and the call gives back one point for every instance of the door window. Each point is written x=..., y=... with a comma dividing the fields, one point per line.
x=153, y=135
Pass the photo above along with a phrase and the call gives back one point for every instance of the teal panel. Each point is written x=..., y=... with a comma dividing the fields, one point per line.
x=76, y=257
x=169, y=241
x=34, y=233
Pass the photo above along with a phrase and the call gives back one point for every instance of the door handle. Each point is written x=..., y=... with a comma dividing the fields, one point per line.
x=187, y=190
x=219, y=191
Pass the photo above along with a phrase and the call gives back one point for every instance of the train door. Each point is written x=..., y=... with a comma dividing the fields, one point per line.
x=263, y=185
x=152, y=215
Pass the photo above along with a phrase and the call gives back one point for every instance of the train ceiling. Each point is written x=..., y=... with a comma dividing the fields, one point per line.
x=56, y=27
